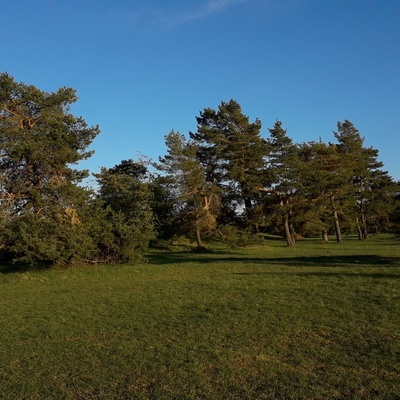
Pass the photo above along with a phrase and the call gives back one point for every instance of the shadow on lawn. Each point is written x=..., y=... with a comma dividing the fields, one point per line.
x=318, y=261
x=323, y=274
x=19, y=268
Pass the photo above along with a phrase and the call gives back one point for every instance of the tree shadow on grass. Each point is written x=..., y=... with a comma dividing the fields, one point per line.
x=317, y=261
x=8, y=268
x=323, y=274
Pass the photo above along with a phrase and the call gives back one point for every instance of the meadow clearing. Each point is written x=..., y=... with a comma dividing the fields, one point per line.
x=316, y=321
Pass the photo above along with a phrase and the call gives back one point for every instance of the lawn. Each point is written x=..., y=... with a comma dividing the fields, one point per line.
x=317, y=321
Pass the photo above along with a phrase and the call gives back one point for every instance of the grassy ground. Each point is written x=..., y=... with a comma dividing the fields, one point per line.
x=318, y=321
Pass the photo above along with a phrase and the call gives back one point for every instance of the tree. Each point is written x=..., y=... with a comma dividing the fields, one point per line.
x=381, y=203
x=163, y=205
x=366, y=175
x=196, y=200
x=232, y=152
x=40, y=197
x=282, y=171
x=324, y=185
x=395, y=214
x=125, y=197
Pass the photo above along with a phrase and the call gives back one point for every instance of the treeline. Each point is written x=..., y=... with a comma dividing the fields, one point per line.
x=225, y=179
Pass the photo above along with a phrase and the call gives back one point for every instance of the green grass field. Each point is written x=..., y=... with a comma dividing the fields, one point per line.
x=317, y=321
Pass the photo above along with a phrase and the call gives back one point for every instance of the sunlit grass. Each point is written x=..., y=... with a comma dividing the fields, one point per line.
x=317, y=321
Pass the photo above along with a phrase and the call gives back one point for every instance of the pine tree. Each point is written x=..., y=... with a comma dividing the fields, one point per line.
x=40, y=198
x=232, y=152
x=395, y=214
x=324, y=178
x=196, y=200
x=282, y=171
x=125, y=197
x=366, y=174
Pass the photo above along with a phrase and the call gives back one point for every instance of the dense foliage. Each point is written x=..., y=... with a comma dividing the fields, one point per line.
x=47, y=217
x=41, y=200
x=225, y=179
x=125, y=197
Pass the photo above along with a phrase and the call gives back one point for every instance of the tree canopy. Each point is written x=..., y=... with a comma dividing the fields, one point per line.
x=225, y=179
x=40, y=197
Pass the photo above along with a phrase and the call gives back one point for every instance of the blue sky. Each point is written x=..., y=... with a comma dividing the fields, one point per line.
x=143, y=68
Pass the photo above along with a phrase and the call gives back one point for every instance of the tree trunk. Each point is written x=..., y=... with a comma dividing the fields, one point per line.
x=337, y=226
x=364, y=226
x=338, y=231
x=293, y=234
x=359, y=230
x=293, y=237
x=249, y=209
x=325, y=236
x=288, y=234
x=286, y=224
x=248, y=205
x=200, y=245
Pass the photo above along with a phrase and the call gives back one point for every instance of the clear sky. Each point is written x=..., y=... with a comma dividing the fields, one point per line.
x=143, y=68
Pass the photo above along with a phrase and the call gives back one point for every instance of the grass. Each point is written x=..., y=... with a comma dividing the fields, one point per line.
x=317, y=321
